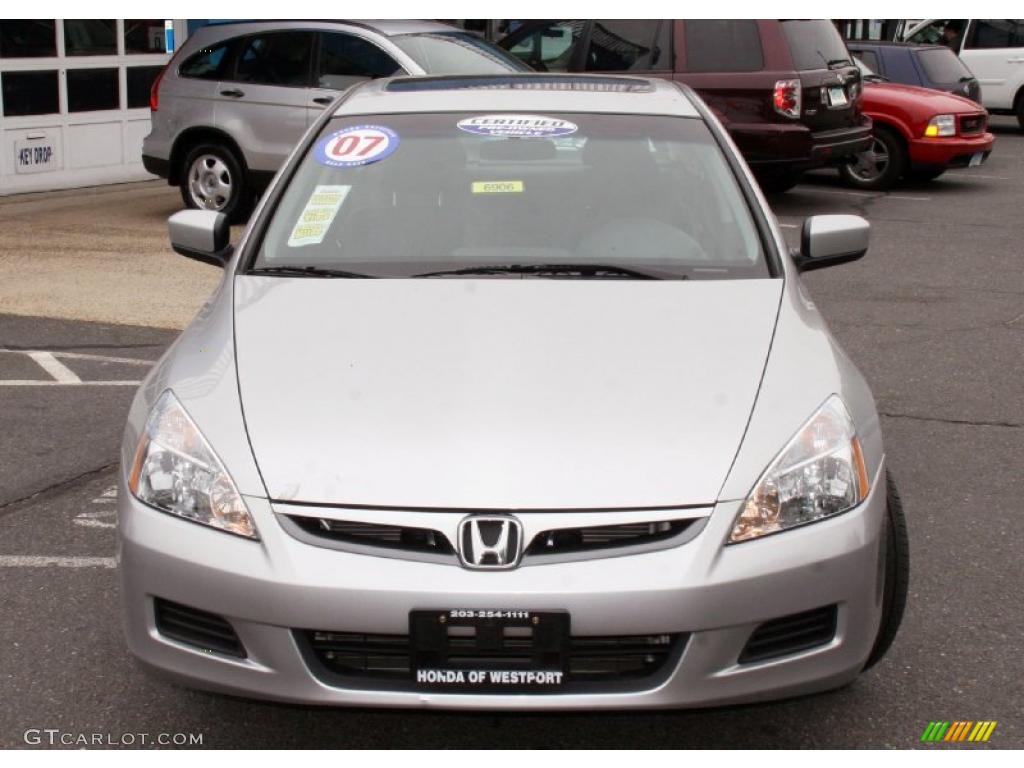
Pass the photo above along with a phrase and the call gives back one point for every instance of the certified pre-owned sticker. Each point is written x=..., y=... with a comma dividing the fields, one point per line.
x=524, y=126
x=358, y=145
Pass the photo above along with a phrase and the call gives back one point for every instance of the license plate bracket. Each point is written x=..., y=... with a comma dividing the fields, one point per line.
x=503, y=651
x=837, y=96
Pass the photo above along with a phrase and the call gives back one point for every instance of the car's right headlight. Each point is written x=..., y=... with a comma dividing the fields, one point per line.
x=820, y=473
x=176, y=471
x=941, y=125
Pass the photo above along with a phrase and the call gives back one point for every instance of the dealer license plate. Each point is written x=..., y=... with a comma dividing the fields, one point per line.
x=489, y=650
x=837, y=96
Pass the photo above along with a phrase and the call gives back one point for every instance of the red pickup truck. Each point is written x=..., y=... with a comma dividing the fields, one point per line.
x=918, y=134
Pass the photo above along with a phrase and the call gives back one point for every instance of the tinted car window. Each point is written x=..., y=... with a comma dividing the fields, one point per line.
x=547, y=47
x=942, y=65
x=205, y=64
x=620, y=46
x=456, y=54
x=866, y=60
x=280, y=58
x=814, y=43
x=723, y=46
x=443, y=191
x=996, y=33
x=347, y=59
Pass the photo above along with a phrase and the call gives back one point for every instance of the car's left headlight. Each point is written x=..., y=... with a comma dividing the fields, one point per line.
x=941, y=125
x=176, y=471
x=820, y=473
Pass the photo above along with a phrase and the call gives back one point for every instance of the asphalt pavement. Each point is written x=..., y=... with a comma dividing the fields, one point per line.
x=934, y=317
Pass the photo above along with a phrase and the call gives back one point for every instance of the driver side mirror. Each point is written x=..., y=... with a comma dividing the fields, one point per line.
x=201, y=235
x=829, y=240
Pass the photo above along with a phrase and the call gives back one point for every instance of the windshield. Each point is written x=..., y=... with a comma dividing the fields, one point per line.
x=457, y=54
x=406, y=195
x=815, y=44
x=943, y=66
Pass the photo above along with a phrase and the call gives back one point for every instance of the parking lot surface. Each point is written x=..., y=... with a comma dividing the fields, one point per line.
x=933, y=316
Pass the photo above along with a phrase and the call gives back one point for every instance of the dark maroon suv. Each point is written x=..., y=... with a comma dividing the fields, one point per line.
x=787, y=90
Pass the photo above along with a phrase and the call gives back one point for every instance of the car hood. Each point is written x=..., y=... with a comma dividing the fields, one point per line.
x=499, y=393
x=922, y=99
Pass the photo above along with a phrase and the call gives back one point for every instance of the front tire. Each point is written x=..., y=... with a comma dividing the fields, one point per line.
x=897, y=574
x=880, y=166
x=212, y=179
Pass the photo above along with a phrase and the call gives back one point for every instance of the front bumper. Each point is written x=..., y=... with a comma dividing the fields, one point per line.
x=268, y=589
x=951, y=152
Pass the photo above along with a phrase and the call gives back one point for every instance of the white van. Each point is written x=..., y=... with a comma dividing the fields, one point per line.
x=993, y=49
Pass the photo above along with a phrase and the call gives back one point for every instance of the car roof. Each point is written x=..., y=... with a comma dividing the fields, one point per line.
x=894, y=44
x=525, y=92
x=385, y=27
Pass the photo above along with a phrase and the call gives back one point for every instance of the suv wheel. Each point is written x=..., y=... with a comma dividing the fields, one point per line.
x=880, y=166
x=212, y=179
x=897, y=574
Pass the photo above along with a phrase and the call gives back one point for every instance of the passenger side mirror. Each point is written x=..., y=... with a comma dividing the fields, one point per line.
x=829, y=240
x=201, y=235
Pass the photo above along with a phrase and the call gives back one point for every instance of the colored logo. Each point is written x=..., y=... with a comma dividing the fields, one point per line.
x=521, y=126
x=959, y=730
x=358, y=145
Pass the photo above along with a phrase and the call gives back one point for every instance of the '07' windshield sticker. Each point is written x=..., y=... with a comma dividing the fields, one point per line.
x=358, y=145
x=522, y=126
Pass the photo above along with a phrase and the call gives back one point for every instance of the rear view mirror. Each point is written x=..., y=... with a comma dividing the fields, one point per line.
x=201, y=235
x=829, y=240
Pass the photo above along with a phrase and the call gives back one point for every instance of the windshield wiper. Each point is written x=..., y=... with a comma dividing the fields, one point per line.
x=583, y=270
x=836, y=62
x=307, y=272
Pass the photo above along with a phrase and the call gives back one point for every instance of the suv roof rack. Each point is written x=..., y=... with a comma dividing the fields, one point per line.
x=522, y=82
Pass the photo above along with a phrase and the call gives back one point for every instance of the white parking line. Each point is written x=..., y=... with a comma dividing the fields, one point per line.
x=55, y=368
x=37, y=561
x=84, y=356
x=64, y=376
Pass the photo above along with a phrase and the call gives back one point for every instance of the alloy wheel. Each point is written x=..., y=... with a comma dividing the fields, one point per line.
x=209, y=183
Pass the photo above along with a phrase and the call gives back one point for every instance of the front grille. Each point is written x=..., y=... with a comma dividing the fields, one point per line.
x=358, y=659
x=199, y=628
x=569, y=540
x=373, y=534
x=790, y=634
x=972, y=124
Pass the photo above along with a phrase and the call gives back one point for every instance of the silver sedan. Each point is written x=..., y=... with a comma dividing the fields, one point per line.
x=511, y=397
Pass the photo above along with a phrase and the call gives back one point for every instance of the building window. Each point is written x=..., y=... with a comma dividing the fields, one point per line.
x=29, y=38
x=30, y=93
x=90, y=90
x=90, y=37
x=140, y=80
x=144, y=36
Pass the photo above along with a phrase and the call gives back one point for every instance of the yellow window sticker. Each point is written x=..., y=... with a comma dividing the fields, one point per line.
x=496, y=187
x=316, y=218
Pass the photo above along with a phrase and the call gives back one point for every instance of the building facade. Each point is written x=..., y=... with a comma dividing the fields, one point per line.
x=74, y=99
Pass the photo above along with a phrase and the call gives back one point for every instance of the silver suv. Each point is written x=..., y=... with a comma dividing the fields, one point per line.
x=236, y=97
